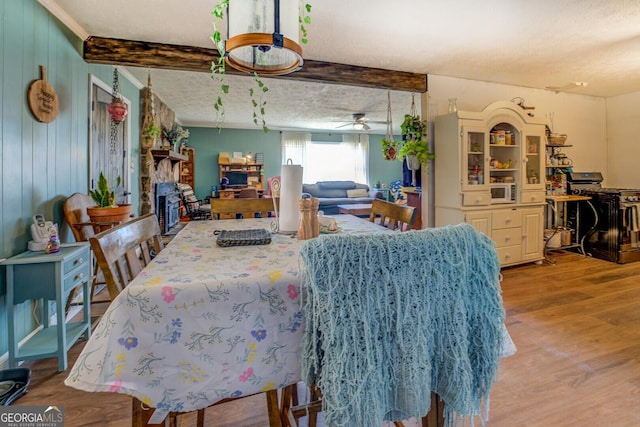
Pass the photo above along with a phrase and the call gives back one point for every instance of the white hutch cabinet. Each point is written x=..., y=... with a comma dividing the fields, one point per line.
x=482, y=154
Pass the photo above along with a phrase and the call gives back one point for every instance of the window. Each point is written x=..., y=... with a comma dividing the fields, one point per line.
x=328, y=161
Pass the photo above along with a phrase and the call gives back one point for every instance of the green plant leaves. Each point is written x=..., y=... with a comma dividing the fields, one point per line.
x=103, y=196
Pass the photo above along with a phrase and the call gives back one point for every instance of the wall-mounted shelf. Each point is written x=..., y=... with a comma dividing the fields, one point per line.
x=159, y=155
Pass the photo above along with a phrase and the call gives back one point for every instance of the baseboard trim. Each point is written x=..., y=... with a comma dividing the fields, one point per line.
x=4, y=359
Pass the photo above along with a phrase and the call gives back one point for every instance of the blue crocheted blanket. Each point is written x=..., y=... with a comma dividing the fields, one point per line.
x=391, y=317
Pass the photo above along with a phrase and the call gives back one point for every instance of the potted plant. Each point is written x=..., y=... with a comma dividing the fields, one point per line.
x=416, y=151
x=106, y=213
x=151, y=134
x=389, y=149
x=175, y=135
x=117, y=110
x=414, y=147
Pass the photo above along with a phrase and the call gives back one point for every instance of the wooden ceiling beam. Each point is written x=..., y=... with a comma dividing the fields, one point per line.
x=102, y=50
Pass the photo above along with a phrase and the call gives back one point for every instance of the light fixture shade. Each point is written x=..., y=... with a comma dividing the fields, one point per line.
x=261, y=40
x=358, y=126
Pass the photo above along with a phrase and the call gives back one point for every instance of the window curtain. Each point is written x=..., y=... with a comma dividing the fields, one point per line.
x=294, y=147
x=359, y=145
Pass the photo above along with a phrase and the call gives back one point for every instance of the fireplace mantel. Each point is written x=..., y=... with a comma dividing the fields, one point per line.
x=173, y=156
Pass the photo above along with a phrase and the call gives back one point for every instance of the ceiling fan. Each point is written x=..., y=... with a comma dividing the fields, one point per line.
x=359, y=122
x=567, y=87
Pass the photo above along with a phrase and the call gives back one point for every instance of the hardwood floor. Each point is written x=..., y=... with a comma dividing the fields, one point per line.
x=576, y=325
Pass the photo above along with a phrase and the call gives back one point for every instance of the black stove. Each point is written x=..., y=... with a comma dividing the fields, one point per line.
x=612, y=230
x=167, y=199
x=581, y=182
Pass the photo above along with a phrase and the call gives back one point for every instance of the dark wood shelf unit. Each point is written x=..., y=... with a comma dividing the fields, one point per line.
x=188, y=167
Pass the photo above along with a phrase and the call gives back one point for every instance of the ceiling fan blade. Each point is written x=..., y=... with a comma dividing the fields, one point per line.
x=567, y=87
x=366, y=126
x=341, y=126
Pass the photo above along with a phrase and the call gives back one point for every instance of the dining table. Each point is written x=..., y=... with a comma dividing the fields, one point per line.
x=203, y=323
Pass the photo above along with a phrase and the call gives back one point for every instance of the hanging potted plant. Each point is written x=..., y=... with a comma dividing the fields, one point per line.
x=389, y=145
x=416, y=153
x=389, y=149
x=117, y=110
x=107, y=213
x=151, y=133
x=414, y=146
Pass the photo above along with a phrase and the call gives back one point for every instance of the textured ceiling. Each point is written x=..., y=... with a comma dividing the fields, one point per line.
x=537, y=44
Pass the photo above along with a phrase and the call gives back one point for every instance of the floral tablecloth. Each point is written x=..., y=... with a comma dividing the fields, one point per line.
x=202, y=323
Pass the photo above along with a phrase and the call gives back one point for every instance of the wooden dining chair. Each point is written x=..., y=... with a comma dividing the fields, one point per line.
x=247, y=207
x=75, y=213
x=273, y=184
x=124, y=250
x=248, y=193
x=392, y=215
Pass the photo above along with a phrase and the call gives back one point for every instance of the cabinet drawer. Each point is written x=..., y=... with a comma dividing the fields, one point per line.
x=227, y=194
x=76, y=278
x=509, y=254
x=506, y=218
x=476, y=198
x=533, y=197
x=78, y=259
x=507, y=236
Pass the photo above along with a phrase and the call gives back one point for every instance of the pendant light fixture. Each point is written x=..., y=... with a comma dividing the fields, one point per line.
x=263, y=36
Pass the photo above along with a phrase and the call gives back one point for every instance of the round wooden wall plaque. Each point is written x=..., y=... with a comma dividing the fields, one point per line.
x=42, y=98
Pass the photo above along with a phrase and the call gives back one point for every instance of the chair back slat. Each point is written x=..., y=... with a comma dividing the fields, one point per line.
x=247, y=207
x=124, y=250
x=392, y=215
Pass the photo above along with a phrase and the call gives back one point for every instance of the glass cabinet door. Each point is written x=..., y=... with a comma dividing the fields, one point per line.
x=474, y=171
x=534, y=158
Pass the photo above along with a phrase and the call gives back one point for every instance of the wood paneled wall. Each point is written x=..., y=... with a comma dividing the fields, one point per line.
x=42, y=164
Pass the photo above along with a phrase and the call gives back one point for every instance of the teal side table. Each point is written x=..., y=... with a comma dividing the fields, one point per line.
x=48, y=277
